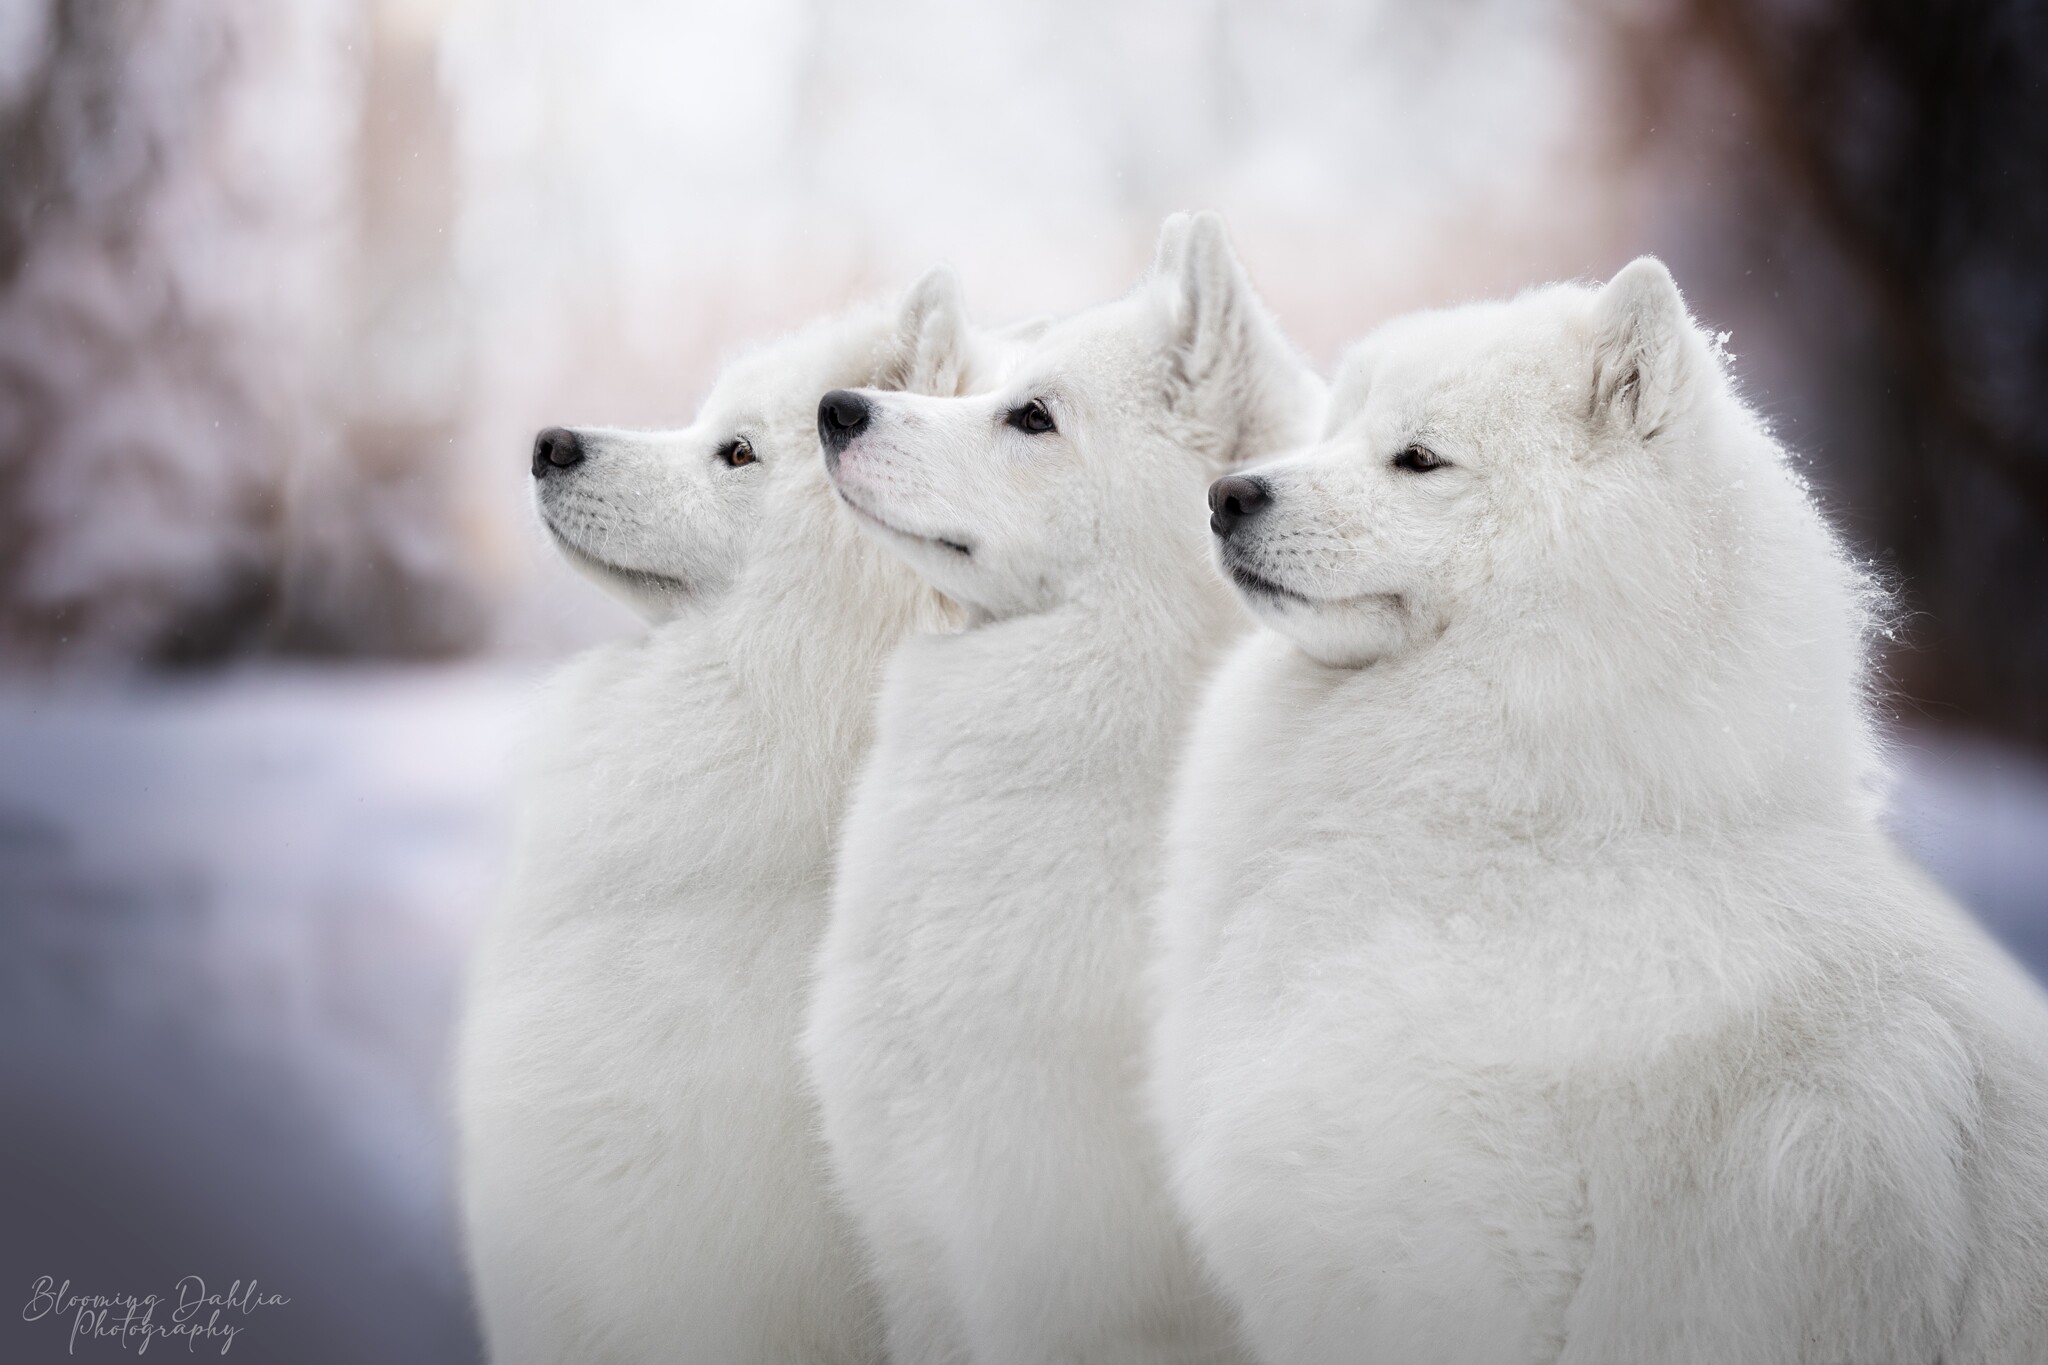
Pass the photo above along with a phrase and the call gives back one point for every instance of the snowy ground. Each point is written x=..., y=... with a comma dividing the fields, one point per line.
x=232, y=916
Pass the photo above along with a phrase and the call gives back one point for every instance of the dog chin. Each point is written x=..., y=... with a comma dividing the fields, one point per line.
x=1357, y=633
x=956, y=547
x=1259, y=587
x=1261, y=591
x=643, y=581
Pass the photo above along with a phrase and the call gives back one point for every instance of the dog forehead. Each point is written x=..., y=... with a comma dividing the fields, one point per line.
x=1468, y=366
x=784, y=377
x=1110, y=341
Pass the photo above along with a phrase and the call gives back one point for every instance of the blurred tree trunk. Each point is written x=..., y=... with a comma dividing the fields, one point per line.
x=1908, y=141
x=198, y=458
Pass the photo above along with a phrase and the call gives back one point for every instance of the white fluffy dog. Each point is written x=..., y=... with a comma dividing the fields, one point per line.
x=977, y=1036
x=641, y=1176
x=1537, y=982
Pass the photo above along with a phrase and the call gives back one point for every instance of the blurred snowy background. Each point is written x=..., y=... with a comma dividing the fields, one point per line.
x=287, y=285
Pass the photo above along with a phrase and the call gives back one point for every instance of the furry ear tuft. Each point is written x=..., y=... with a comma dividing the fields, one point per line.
x=1229, y=367
x=1643, y=368
x=1210, y=294
x=928, y=350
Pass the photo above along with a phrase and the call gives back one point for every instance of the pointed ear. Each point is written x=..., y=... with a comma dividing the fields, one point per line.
x=1229, y=367
x=927, y=352
x=1644, y=364
x=1172, y=245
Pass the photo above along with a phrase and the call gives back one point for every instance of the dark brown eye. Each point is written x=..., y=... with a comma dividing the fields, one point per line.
x=1034, y=417
x=737, y=453
x=1420, y=460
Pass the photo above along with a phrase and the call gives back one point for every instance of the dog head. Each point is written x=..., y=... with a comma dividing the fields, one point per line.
x=1078, y=471
x=669, y=520
x=1494, y=460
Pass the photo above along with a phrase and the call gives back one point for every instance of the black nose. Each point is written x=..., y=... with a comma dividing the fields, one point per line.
x=1235, y=499
x=841, y=417
x=556, y=448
